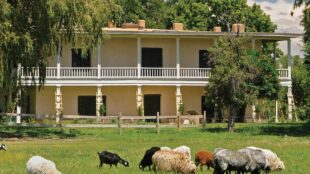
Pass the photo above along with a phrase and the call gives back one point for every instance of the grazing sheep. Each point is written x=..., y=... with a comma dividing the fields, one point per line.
x=171, y=161
x=274, y=161
x=40, y=165
x=258, y=160
x=147, y=158
x=111, y=158
x=184, y=149
x=165, y=148
x=227, y=160
x=204, y=158
x=3, y=147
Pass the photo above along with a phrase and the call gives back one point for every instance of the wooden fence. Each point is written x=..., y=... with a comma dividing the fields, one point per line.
x=121, y=122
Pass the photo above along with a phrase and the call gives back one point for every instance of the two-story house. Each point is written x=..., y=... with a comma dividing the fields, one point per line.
x=153, y=70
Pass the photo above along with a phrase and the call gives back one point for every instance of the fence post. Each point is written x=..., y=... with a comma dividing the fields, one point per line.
x=204, y=123
x=179, y=121
x=157, y=122
x=120, y=123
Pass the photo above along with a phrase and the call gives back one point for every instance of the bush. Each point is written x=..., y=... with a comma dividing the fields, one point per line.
x=102, y=110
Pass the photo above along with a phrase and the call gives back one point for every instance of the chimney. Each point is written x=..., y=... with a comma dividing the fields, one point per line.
x=236, y=27
x=217, y=29
x=177, y=26
x=141, y=24
x=111, y=24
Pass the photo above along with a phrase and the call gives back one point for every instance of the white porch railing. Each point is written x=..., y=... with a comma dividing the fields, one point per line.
x=128, y=72
x=283, y=74
x=78, y=72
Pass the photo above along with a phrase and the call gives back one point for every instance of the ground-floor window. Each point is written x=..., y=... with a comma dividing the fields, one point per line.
x=87, y=105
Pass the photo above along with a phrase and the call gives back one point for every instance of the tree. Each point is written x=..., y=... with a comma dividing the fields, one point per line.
x=31, y=30
x=240, y=75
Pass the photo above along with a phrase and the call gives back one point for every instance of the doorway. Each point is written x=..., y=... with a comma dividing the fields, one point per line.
x=151, y=105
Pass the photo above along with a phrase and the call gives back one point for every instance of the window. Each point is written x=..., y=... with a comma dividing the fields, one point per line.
x=78, y=60
x=87, y=105
x=204, y=60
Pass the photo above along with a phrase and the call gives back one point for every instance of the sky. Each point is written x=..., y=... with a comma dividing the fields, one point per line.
x=280, y=14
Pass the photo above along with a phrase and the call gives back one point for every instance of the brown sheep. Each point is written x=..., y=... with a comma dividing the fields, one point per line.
x=204, y=158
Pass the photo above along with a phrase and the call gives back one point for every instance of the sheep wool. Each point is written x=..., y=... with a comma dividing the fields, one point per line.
x=171, y=161
x=204, y=158
x=184, y=149
x=40, y=165
x=165, y=148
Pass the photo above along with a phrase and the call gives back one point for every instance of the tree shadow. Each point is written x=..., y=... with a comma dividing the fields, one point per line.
x=36, y=132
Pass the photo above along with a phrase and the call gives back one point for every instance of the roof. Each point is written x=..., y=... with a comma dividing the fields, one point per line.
x=134, y=32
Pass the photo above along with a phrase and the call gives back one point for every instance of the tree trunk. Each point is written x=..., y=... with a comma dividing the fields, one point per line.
x=231, y=119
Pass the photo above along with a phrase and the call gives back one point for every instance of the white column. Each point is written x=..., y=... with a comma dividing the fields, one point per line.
x=289, y=63
x=179, y=100
x=99, y=61
x=98, y=102
x=254, y=112
x=178, y=57
x=290, y=103
x=58, y=59
x=139, y=97
x=58, y=103
x=139, y=56
x=277, y=120
x=18, y=106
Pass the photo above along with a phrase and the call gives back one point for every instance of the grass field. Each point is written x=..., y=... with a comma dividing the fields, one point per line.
x=75, y=150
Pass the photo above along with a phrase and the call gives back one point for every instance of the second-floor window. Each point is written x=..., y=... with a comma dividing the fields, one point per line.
x=78, y=60
x=204, y=59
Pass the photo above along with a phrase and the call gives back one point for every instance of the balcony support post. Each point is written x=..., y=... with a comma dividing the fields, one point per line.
x=58, y=104
x=178, y=57
x=58, y=59
x=99, y=61
x=98, y=102
x=289, y=63
x=139, y=97
x=290, y=102
x=18, y=106
x=139, y=56
x=179, y=101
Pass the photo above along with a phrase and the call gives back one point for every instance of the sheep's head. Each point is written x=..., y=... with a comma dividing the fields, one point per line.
x=3, y=147
x=192, y=168
x=277, y=165
x=126, y=163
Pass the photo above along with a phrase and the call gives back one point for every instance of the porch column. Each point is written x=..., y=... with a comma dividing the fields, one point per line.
x=58, y=59
x=178, y=57
x=58, y=104
x=18, y=106
x=289, y=63
x=139, y=56
x=254, y=112
x=290, y=102
x=139, y=94
x=98, y=102
x=99, y=61
x=179, y=101
x=277, y=120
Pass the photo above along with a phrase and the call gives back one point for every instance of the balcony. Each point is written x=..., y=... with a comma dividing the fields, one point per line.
x=123, y=75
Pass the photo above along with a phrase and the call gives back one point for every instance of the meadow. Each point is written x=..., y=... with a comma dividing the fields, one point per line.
x=75, y=150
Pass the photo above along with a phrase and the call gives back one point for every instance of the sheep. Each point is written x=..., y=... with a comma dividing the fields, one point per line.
x=274, y=161
x=147, y=158
x=111, y=158
x=227, y=160
x=40, y=165
x=165, y=148
x=183, y=149
x=171, y=161
x=258, y=160
x=204, y=158
x=3, y=147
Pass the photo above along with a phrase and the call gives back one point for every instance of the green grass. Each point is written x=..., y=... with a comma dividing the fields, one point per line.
x=75, y=150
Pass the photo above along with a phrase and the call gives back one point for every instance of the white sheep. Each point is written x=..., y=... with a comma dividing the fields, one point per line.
x=165, y=148
x=171, y=161
x=272, y=158
x=40, y=165
x=184, y=149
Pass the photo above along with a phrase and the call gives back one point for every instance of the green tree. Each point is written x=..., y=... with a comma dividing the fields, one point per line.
x=31, y=30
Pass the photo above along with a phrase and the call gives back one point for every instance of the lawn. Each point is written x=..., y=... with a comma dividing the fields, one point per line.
x=75, y=150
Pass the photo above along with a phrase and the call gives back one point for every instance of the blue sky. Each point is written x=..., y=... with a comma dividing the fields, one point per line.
x=279, y=11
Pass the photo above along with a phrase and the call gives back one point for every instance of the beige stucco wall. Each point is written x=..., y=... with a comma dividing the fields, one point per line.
x=119, y=52
x=192, y=97
x=167, y=98
x=189, y=51
x=45, y=100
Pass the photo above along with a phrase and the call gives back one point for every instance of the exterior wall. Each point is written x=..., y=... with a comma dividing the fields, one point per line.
x=168, y=46
x=191, y=96
x=119, y=52
x=45, y=100
x=189, y=51
x=167, y=98
x=119, y=99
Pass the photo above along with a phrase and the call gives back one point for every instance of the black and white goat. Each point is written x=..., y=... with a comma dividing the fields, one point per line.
x=111, y=159
x=147, y=158
x=3, y=147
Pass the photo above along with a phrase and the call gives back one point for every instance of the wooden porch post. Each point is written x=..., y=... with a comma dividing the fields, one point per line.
x=178, y=57
x=58, y=59
x=139, y=56
x=58, y=104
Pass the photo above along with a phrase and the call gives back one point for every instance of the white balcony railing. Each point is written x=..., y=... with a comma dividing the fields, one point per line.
x=128, y=73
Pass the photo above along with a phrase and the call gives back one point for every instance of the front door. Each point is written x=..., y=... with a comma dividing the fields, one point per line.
x=152, y=57
x=87, y=105
x=151, y=104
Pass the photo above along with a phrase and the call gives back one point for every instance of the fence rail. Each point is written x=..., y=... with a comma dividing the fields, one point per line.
x=120, y=122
